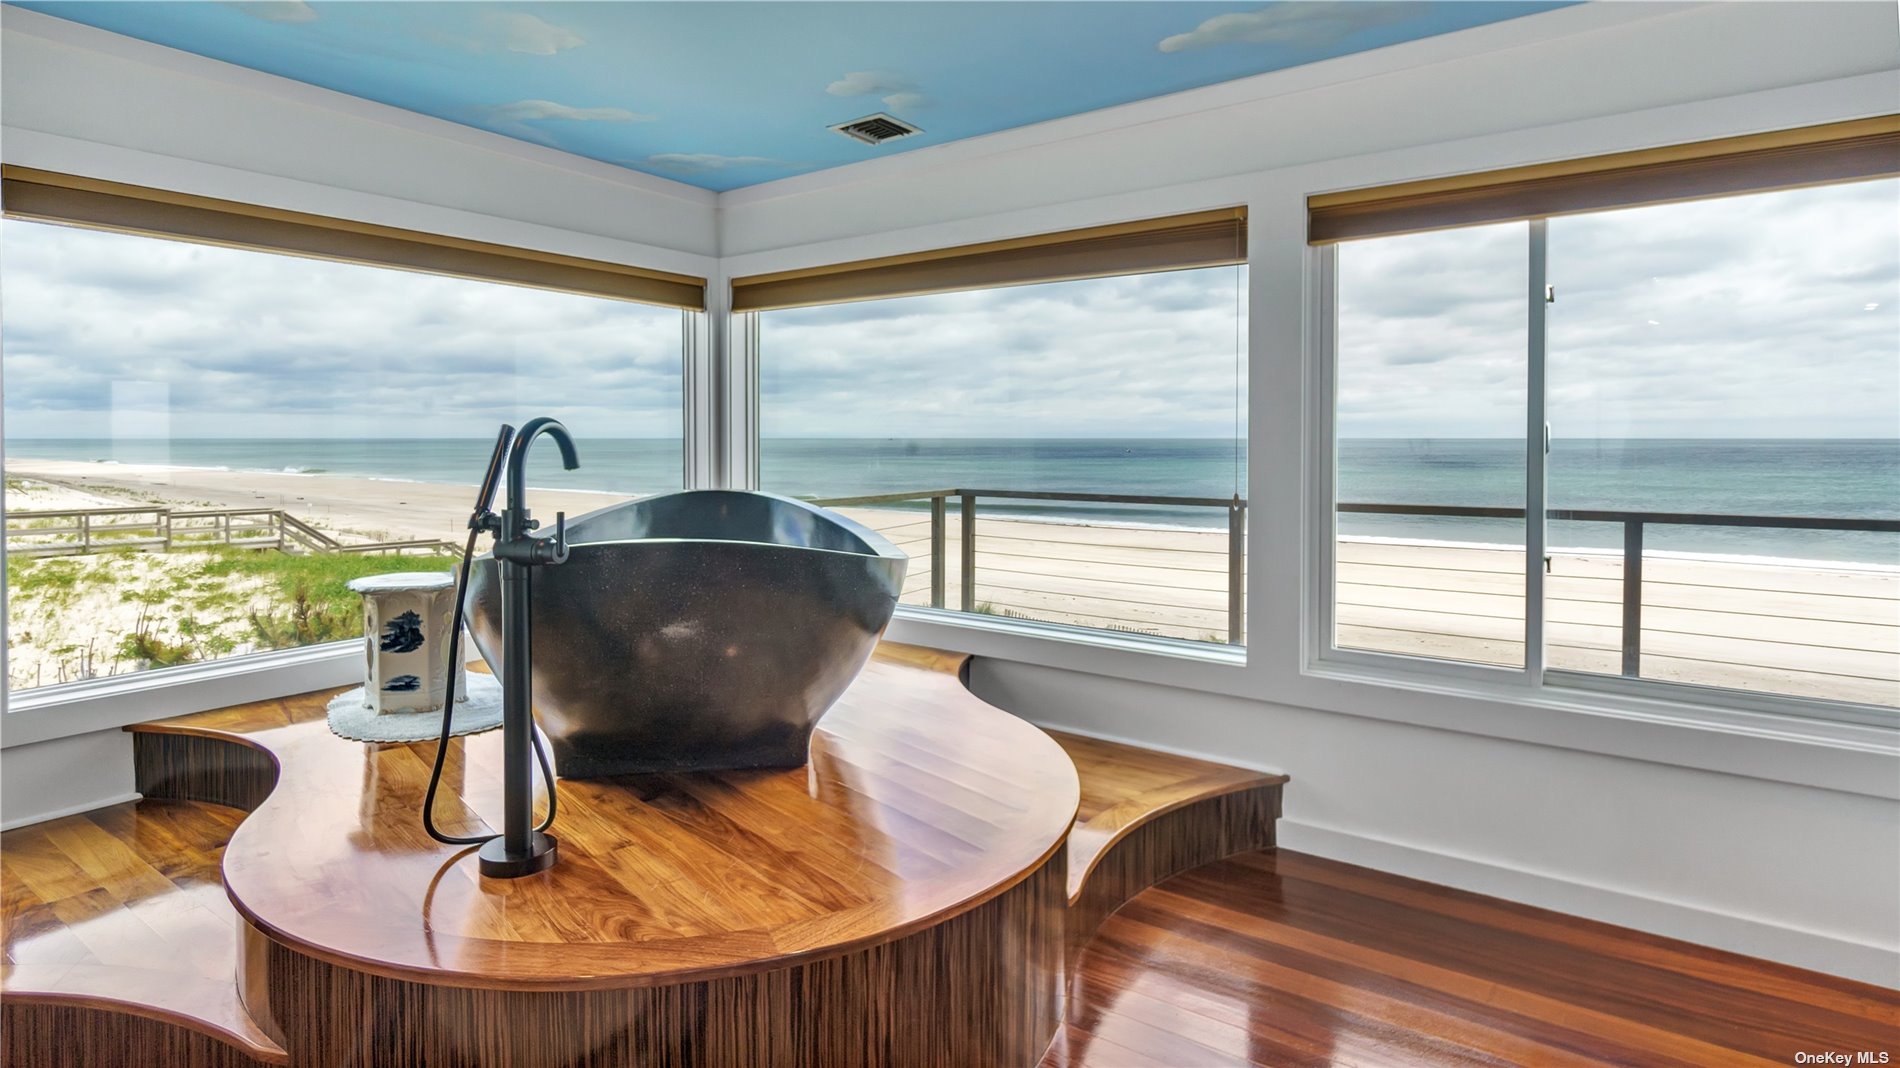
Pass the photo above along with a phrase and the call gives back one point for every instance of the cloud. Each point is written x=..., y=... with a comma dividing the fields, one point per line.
x=895, y=92
x=705, y=162
x=519, y=32
x=512, y=31
x=276, y=10
x=540, y=110
x=1310, y=22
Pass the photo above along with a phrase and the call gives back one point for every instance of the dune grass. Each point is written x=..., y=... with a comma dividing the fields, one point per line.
x=77, y=617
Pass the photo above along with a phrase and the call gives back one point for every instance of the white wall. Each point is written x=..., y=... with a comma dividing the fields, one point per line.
x=1793, y=873
x=1579, y=63
x=64, y=776
x=78, y=99
x=1699, y=835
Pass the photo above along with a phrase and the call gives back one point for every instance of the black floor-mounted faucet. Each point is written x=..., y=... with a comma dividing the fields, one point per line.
x=522, y=850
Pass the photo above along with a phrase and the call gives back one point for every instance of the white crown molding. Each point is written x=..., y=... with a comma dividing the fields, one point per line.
x=245, y=80
x=116, y=163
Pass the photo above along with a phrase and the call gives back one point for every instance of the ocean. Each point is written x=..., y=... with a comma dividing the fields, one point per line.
x=1805, y=477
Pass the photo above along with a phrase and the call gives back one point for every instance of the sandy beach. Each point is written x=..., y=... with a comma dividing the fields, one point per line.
x=1809, y=629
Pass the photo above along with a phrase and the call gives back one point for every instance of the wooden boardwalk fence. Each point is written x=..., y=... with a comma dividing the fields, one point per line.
x=78, y=532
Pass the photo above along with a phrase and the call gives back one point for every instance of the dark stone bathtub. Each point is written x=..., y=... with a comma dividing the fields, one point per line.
x=697, y=630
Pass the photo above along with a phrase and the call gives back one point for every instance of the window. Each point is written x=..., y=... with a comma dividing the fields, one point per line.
x=1720, y=475
x=1737, y=360
x=203, y=444
x=1067, y=452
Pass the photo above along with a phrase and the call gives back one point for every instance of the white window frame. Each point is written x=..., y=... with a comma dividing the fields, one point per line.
x=954, y=629
x=1325, y=657
x=1289, y=367
x=45, y=713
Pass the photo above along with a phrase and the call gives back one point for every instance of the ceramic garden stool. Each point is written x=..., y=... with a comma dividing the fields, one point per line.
x=406, y=621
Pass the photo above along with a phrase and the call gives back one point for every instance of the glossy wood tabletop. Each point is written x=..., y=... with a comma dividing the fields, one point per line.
x=121, y=909
x=1286, y=960
x=920, y=801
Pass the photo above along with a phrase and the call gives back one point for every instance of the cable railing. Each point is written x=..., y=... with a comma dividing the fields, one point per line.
x=938, y=536
x=1634, y=526
x=1189, y=588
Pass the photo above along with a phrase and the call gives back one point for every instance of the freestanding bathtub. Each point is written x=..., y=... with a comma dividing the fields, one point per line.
x=694, y=631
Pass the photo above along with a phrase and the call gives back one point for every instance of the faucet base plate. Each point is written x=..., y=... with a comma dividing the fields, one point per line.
x=498, y=863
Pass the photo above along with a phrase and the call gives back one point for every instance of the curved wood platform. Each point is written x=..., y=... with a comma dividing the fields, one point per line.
x=119, y=933
x=1147, y=815
x=862, y=911
x=920, y=802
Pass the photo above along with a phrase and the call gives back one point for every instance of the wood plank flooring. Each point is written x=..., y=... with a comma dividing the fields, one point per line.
x=1282, y=959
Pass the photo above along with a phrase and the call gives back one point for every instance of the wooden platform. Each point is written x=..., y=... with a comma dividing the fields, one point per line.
x=860, y=911
x=119, y=936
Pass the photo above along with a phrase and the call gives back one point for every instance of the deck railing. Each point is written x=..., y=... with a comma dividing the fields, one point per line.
x=82, y=531
x=1633, y=524
x=1234, y=507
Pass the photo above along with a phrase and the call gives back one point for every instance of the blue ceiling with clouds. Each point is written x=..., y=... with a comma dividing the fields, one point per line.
x=728, y=94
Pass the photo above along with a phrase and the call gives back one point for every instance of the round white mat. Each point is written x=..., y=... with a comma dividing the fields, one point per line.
x=481, y=712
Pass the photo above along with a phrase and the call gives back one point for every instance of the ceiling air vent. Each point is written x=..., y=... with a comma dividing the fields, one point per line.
x=876, y=129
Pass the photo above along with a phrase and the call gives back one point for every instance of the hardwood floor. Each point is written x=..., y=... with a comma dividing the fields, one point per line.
x=1282, y=959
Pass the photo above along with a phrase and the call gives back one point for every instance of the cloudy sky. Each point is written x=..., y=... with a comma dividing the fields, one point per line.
x=245, y=344
x=1775, y=315
x=1144, y=356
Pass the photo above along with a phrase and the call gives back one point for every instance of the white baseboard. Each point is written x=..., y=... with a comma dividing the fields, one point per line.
x=1817, y=950
x=69, y=810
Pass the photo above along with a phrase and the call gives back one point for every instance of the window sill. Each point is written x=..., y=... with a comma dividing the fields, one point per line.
x=1853, y=758
x=49, y=712
x=1672, y=727
x=1052, y=645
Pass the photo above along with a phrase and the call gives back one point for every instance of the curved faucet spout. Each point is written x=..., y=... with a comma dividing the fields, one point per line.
x=514, y=543
x=518, y=458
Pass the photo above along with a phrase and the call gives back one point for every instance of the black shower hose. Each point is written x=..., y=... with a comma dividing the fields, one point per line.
x=448, y=722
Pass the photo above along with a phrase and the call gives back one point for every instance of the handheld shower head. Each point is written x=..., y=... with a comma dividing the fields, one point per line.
x=491, y=481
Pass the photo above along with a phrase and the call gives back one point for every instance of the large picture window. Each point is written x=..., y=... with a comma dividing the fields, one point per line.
x=1720, y=379
x=1066, y=452
x=204, y=444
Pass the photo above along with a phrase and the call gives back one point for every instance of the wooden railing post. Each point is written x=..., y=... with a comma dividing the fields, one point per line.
x=938, y=565
x=1633, y=598
x=85, y=533
x=967, y=506
x=1236, y=571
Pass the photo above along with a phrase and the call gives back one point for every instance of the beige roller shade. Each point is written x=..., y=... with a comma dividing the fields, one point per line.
x=1178, y=242
x=1813, y=155
x=63, y=198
